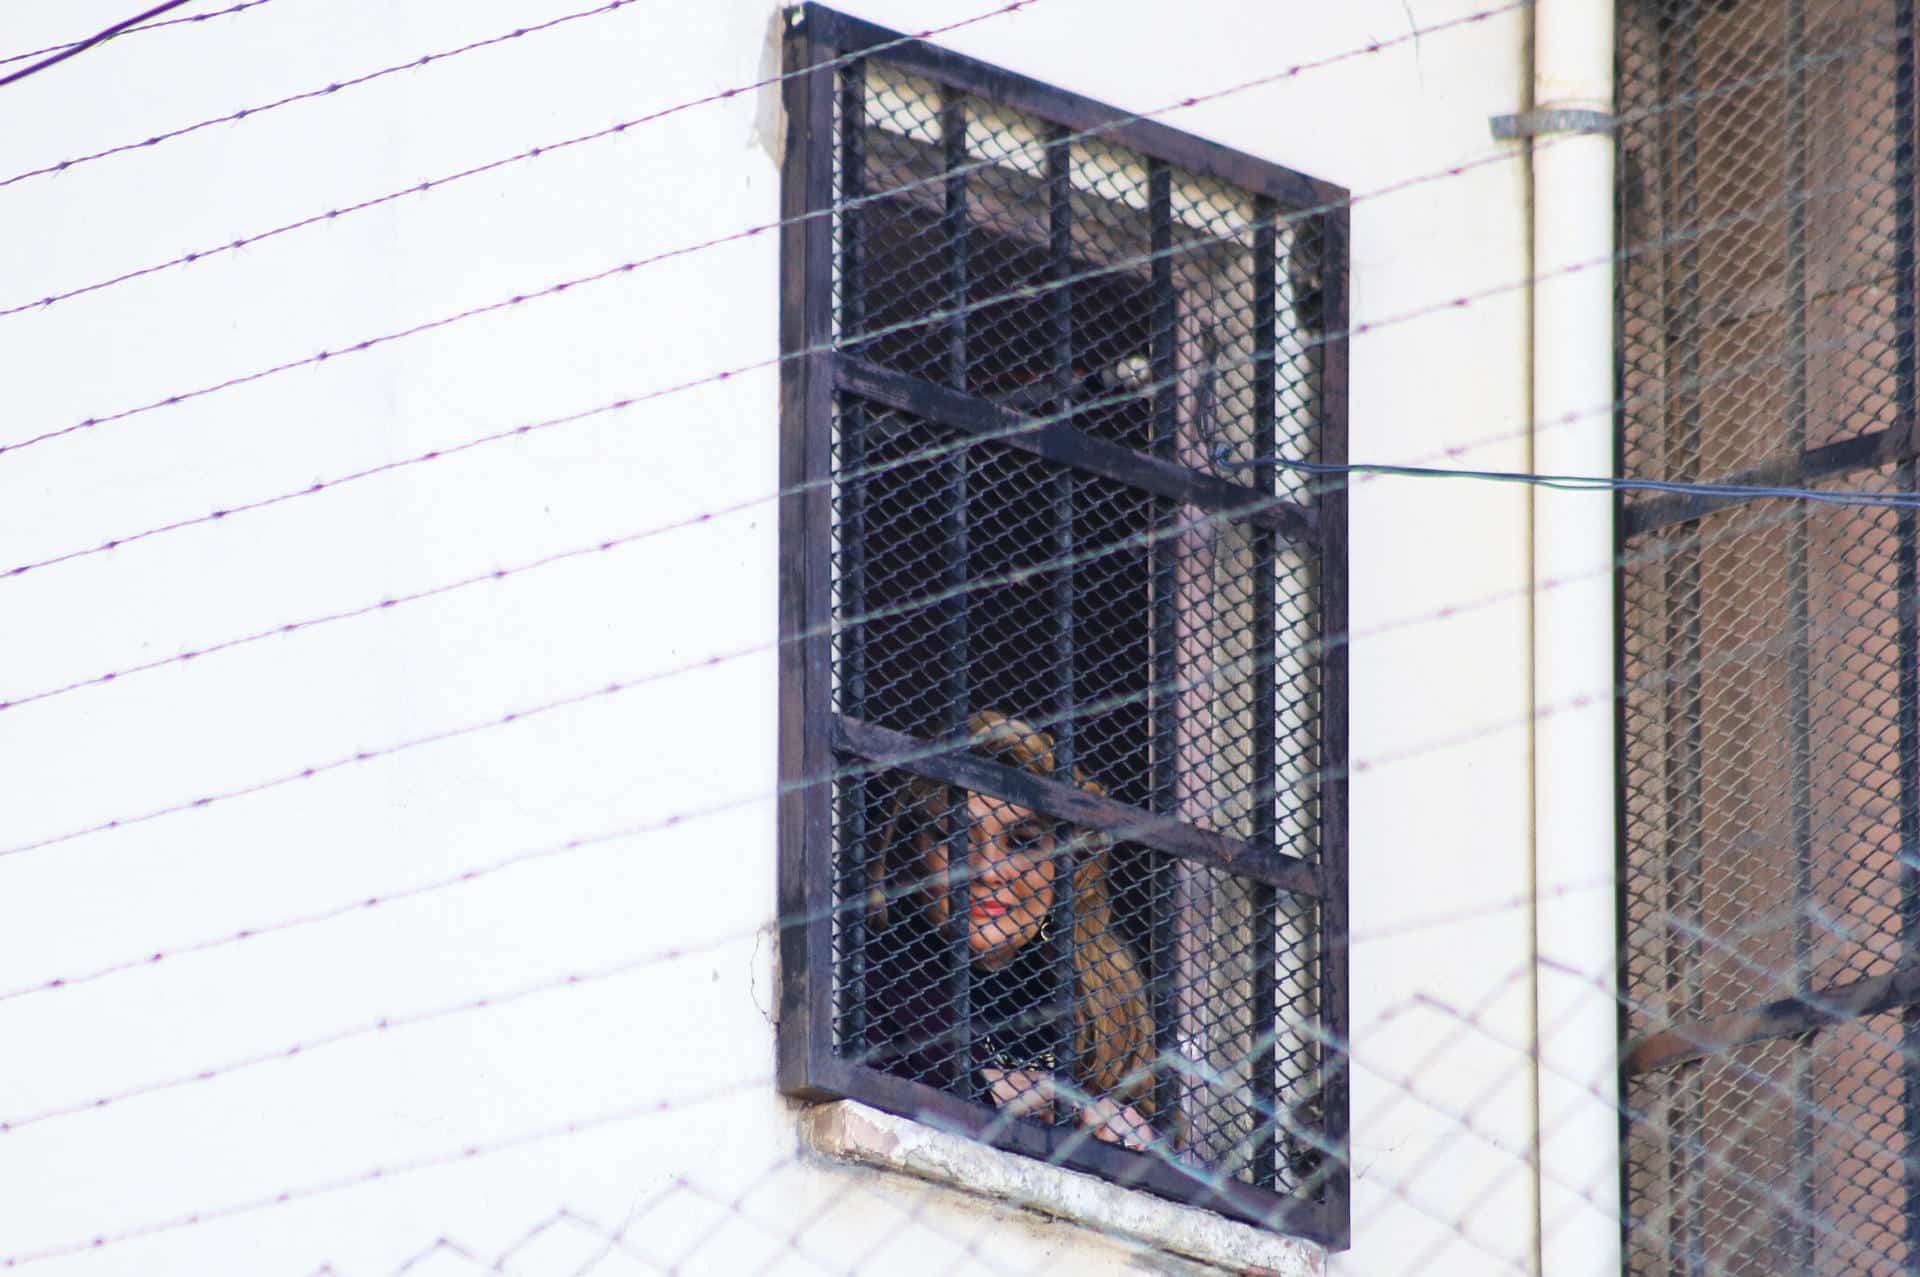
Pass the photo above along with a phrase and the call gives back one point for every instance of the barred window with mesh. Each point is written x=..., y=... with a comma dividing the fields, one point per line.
x=1770, y=649
x=1063, y=833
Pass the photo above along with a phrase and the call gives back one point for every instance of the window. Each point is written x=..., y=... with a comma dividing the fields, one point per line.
x=1063, y=826
x=1769, y=653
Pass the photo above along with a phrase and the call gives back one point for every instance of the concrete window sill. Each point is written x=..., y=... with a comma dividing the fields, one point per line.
x=850, y=1132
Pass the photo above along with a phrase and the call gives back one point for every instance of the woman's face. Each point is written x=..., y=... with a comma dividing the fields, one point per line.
x=1009, y=888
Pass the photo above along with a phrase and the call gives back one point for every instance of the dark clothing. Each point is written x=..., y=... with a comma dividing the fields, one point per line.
x=1017, y=1018
x=1019, y=1009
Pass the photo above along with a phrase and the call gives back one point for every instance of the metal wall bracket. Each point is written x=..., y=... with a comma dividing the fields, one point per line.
x=1534, y=123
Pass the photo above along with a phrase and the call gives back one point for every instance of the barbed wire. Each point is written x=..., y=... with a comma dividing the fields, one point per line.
x=1037, y=422
x=1471, y=1018
x=389, y=1170
x=144, y=26
x=1679, y=101
x=919, y=456
x=1142, y=539
x=1463, y=1116
x=1672, y=673
x=308, y=95
x=1406, y=1082
x=377, y=1026
x=1401, y=1082
x=168, y=22
x=628, y=267
x=98, y=37
x=1020, y=293
x=386, y=1023
x=531, y=153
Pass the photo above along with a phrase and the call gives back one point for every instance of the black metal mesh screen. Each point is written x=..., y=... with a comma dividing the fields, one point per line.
x=1047, y=343
x=1770, y=659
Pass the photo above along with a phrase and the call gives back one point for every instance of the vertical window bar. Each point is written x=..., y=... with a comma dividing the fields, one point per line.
x=1681, y=588
x=953, y=135
x=1065, y=586
x=1264, y=1044
x=854, y=844
x=960, y=956
x=1162, y=567
x=1795, y=180
x=958, y=636
x=1909, y=598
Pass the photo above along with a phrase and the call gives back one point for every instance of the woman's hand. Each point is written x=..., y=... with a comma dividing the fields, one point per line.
x=1030, y=1093
x=1117, y=1123
x=1020, y=1092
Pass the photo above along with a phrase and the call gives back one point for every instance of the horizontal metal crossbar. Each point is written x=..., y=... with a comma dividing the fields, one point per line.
x=1077, y=806
x=1784, y=1018
x=1058, y=442
x=1865, y=452
x=1115, y=127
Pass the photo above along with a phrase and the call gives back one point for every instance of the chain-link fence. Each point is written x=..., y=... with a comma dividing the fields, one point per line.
x=1770, y=763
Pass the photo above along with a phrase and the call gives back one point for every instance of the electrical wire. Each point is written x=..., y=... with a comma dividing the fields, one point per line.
x=1596, y=483
x=82, y=46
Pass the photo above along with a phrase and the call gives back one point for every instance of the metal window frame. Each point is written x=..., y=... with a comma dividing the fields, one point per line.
x=810, y=733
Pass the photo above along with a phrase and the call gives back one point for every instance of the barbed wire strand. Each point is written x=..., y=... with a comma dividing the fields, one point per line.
x=308, y=95
x=614, y=687
x=390, y=1170
x=145, y=26
x=81, y=46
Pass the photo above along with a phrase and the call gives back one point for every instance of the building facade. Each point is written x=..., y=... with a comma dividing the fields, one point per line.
x=392, y=654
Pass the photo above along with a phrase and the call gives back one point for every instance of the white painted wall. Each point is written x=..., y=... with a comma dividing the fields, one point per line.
x=646, y=1087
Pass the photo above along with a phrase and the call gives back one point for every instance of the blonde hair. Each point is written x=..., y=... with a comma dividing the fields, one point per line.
x=1113, y=1027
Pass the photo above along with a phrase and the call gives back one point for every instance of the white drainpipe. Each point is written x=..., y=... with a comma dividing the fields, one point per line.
x=1573, y=666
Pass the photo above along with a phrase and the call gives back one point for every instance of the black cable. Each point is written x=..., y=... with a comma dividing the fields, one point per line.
x=1595, y=483
x=92, y=40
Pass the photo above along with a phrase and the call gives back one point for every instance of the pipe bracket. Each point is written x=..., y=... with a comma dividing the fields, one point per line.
x=1534, y=123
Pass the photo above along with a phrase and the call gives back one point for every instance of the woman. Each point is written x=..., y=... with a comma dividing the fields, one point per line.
x=1016, y=1014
